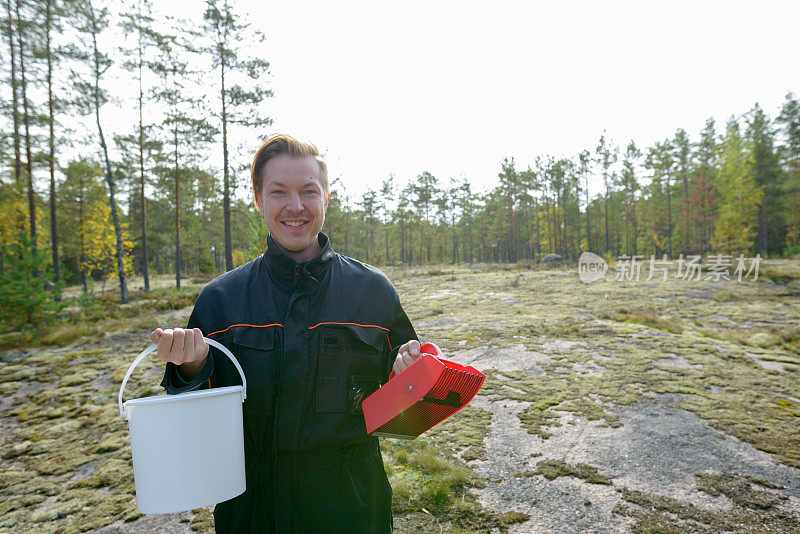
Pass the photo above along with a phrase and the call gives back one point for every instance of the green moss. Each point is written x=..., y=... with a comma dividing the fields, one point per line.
x=469, y=517
x=202, y=520
x=743, y=490
x=552, y=469
x=111, y=442
x=112, y=472
x=464, y=432
x=422, y=477
x=647, y=316
x=652, y=513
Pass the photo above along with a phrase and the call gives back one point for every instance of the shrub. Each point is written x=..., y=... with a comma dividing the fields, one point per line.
x=27, y=302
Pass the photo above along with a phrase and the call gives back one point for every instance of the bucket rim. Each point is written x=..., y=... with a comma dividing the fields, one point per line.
x=189, y=395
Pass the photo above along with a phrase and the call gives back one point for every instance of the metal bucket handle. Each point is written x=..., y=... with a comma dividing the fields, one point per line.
x=151, y=348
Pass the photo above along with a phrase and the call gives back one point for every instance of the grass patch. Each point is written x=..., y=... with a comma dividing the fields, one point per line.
x=743, y=490
x=552, y=469
x=93, y=315
x=464, y=432
x=426, y=481
x=647, y=316
x=752, y=510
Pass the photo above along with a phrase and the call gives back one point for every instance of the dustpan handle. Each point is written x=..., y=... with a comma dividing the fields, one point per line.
x=153, y=347
x=426, y=348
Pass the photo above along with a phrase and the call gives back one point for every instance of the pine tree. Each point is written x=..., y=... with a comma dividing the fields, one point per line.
x=90, y=23
x=425, y=190
x=606, y=157
x=739, y=195
x=140, y=24
x=183, y=124
x=789, y=118
x=14, y=82
x=387, y=198
x=630, y=186
x=509, y=187
x=23, y=32
x=683, y=160
x=771, y=233
x=239, y=103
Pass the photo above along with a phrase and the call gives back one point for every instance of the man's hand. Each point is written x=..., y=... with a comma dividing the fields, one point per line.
x=406, y=355
x=184, y=347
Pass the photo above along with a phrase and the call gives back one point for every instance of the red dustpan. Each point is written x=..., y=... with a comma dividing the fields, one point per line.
x=426, y=393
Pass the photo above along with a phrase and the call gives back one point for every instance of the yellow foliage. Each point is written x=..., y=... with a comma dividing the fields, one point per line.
x=239, y=258
x=660, y=241
x=101, y=242
x=13, y=213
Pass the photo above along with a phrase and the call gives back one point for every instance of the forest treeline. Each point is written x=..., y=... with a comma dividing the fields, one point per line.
x=101, y=198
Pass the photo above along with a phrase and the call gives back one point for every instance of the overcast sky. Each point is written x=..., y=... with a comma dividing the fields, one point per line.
x=454, y=87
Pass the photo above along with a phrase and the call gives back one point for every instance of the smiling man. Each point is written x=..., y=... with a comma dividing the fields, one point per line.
x=315, y=332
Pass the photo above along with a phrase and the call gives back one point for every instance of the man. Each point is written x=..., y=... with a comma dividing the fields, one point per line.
x=315, y=333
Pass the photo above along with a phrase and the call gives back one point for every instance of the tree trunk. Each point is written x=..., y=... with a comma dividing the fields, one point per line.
x=608, y=246
x=14, y=100
x=634, y=223
x=469, y=242
x=51, y=160
x=386, y=233
x=550, y=244
x=123, y=287
x=82, y=253
x=761, y=241
x=588, y=225
x=28, y=155
x=563, y=201
x=669, y=215
x=143, y=207
x=226, y=199
x=688, y=215
x=402, y=243
x=177, y=215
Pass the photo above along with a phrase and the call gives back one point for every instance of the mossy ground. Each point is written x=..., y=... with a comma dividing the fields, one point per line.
x=730, y=352
x=727, y=350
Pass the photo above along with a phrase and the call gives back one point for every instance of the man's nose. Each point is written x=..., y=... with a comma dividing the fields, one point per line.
x=295, y=202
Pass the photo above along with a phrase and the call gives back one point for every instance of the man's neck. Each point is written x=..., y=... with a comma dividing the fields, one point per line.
x=309, y=253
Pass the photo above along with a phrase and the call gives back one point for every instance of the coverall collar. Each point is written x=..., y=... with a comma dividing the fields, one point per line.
x=284, y=266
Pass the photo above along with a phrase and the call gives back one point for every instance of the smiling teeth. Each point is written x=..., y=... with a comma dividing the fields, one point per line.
x=294, y=223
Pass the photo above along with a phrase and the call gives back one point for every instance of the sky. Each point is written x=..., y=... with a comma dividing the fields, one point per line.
x=453, y=88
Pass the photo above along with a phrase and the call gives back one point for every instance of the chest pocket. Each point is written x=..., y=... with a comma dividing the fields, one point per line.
x=256, y=351
x=350, y=366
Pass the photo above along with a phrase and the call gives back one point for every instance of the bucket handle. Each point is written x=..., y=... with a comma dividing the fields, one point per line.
x=153, y=347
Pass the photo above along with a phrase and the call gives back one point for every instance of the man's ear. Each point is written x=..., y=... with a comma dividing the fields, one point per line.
x=258, y=205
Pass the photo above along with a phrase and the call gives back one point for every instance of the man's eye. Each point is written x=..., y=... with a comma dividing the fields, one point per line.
x=276, y=192
x=310, y=192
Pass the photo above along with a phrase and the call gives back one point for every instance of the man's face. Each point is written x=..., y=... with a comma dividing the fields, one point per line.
x=293, y=204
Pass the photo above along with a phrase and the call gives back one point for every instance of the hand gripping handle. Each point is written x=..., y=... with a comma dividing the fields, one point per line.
x=425, y=348
x=151, y=348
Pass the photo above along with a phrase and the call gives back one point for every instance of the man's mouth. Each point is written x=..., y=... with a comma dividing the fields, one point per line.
x=294, y=224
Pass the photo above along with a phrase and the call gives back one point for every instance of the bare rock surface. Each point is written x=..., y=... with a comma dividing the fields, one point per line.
x=513, y=358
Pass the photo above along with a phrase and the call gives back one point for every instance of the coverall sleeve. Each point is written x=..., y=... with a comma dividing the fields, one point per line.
x=400, y=332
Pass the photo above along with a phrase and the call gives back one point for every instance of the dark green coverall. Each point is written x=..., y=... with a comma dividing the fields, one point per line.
x=314, y=339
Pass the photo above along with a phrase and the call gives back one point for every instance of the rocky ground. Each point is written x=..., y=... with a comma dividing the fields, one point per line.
x=660, y=406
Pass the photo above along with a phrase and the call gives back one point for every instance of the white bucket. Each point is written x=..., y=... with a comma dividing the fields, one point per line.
x=188, y=449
